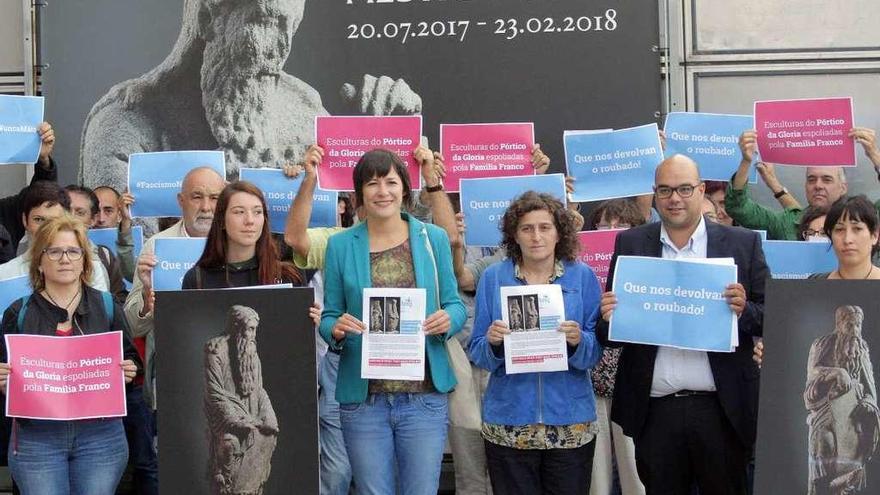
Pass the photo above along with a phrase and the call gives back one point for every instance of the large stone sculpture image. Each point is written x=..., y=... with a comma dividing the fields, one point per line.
x=223, y=87
x=242, y=427
x=843, y=419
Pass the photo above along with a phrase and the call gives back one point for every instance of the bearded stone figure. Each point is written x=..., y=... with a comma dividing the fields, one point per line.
x=841, y=397
x=223, y=87
x=242, y=427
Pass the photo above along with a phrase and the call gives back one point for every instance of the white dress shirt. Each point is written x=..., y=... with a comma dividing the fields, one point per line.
x=680, y=369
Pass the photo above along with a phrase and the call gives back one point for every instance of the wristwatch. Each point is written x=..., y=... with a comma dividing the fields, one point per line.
x=432, y=189
x=781, y=193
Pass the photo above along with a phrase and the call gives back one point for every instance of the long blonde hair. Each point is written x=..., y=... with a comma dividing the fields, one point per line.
x=43, y=239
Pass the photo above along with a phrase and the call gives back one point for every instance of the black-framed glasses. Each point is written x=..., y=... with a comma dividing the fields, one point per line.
x=684, y=190
x=55, y=253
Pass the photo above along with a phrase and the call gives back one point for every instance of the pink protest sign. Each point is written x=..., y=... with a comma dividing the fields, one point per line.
x=65, y=377
x=806, y=132
x=597, y=246
x=478, y=151
x=346, y=139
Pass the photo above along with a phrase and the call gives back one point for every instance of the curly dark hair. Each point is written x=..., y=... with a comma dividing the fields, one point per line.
x=567, y=248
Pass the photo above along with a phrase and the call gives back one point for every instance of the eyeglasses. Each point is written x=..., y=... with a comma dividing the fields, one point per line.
x=684, y=190
x=811, y=233
x=609, y=226
x=55, y=253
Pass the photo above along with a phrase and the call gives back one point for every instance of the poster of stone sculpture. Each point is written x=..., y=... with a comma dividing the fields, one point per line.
x=236, y=380
x=248, y=77
x=819, y=421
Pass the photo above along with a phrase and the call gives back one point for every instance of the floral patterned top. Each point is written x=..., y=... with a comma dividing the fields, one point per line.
x=394, y=268
x=540, y=436
x=604, y=372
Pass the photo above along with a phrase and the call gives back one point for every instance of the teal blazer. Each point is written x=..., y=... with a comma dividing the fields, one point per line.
x=347, y=273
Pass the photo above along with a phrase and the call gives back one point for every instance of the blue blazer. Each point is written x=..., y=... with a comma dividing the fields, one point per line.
x=553, y=398
x=347, y=273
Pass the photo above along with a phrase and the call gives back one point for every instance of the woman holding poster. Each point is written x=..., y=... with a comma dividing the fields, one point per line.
x=86, y=456
x=392, y=428
x=239, y=251
x=538, y=428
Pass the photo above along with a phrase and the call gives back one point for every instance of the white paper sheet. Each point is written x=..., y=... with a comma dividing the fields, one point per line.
x=393, y=346
x=533, y=313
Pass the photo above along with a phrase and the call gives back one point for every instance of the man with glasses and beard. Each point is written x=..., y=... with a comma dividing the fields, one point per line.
x=692, y=414
x=242, y=427
x=223, y=86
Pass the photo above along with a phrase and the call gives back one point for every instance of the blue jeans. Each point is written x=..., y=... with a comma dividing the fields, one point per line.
x=401, y=434
x=139, y=433
x=335, y=469
x=68, y=457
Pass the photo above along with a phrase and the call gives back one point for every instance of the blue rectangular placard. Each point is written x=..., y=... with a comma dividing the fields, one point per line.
x=799, y=259
x=154, y=179
x=280, y=191
x=20, y=116
x=674, y=303
x=12, y=289
x=710, y=139
x=483, y=202
x=174, y=256
x=613, y=164
x=107, y=237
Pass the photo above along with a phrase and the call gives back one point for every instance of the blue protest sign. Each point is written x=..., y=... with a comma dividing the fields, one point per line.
x=19, y=118
x=710, y=139
x=174, y=256
x=154, y=179
x=280, y=191
x=612, y=164
x=483, y=202
x=107, y=237
x=675, y=303
x=12, y=289
x=798, y=259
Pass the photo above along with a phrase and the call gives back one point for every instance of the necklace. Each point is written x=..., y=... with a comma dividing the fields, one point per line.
x=870, y=270
x=69, y=303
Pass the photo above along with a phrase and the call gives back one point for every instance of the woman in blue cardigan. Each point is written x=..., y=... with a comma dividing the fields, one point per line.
x=391, y=428
x=538, y=428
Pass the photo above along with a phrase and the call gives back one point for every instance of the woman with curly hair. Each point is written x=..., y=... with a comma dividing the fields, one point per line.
x=538, y=428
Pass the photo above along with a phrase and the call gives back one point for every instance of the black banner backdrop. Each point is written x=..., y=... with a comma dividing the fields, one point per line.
x=564, y=64
x=799, y=314
x=285, y=340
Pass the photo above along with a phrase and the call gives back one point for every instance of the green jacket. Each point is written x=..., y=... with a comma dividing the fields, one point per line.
x=347, y=272
x=780, y=225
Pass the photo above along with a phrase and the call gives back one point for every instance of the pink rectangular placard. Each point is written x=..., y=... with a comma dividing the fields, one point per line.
x=477, y=151
x=65, y=377
x=597, y=246
x=346, y=139
x=810, y=132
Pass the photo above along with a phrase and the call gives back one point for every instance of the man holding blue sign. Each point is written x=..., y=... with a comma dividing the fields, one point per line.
x=692, y=414
x=197, y=200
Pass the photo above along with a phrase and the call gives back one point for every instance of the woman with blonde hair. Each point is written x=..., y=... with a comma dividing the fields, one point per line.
x=82, y=456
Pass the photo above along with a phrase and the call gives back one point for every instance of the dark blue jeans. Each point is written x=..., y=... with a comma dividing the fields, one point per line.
x=139, y=431
x=68, y=457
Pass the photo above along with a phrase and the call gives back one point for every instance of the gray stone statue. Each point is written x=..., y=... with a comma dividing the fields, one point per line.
x=223, y=87
x=242, y=427
x=841, y=397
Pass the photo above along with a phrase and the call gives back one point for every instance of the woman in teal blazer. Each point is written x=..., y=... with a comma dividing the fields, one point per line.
x=392, y=429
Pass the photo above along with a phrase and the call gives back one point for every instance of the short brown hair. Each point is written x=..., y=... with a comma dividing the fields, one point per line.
x=625, y=210
x=567, y=248
x=43, y=239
